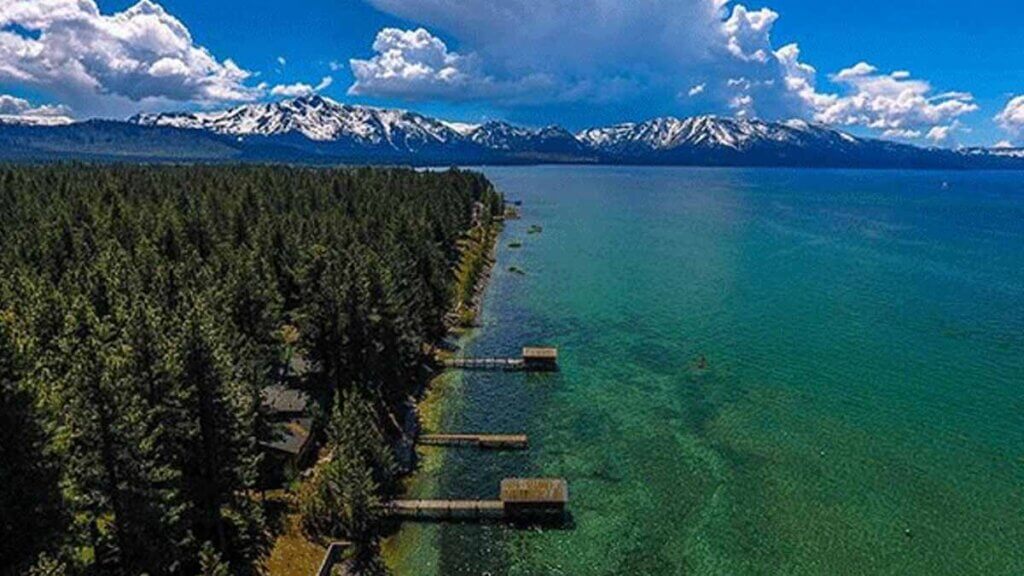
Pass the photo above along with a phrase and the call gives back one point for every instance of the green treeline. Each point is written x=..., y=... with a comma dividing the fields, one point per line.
x=476, y=248
x=141, y=315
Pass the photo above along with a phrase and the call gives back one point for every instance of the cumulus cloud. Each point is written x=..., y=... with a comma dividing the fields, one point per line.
x=570, y=43
x=895, y=104
x=747, y=33
x=96, y=61
x=300, y=89
x=525, y=50
x=14, y=107
x=415, y=62
x=589, y=51
x=1011, y=118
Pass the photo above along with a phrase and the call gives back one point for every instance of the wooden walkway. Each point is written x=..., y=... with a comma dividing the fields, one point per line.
x=487, y=441
x=533, y=359
x=520, y=498
x=442, y=509
x=508, y=364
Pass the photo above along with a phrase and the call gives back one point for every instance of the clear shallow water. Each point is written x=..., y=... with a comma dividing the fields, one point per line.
x=862, y=406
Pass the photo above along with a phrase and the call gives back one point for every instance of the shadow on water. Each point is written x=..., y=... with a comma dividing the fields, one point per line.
x=564, y=522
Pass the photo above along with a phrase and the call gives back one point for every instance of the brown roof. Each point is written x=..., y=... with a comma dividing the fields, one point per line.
x=280, y=399
x=542, y=353
x=291, y=436
x=534, y=490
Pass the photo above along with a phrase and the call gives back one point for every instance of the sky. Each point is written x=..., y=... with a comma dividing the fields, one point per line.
x=928, y=72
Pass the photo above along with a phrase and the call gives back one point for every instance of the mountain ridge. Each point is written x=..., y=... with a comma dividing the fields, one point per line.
x=316, y=129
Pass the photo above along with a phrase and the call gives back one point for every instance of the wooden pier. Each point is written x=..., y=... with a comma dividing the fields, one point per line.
x=521, y=498
x=445, y=509
x=533, y=359
x=485, y=441
x=508, y=364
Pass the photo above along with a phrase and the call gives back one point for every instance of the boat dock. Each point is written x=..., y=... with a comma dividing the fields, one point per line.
x=486, y=441
x=509, y=364
x=445, y=509
x=521, y=498
x=533, y=359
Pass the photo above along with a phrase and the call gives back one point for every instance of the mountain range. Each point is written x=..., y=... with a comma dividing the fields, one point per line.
x=318, y=130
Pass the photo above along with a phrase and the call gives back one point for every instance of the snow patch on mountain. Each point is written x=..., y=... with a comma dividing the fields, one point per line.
x=463, y=128
x=317, y=118
x=707, y=132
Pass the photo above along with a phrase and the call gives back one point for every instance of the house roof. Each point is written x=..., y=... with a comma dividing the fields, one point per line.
x=278, y=398
x=299, y=366
x=290, y=436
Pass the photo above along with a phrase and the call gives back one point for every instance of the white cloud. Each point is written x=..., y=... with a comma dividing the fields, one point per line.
x=417, y=64
x=12, y=107
x=568, y=43
x=939, y=134
x=558, y=49
x=282, y=61
x=894, y=104
x=697, y=90
x=747, y=33
x=1011, y=118
x=902, y=133
x=96, y=61
x=299, y=89
x=859, y=70
x=550, y=51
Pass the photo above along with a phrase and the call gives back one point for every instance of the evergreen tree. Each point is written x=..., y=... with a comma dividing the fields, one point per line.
x=29, y=494
x=142, y=308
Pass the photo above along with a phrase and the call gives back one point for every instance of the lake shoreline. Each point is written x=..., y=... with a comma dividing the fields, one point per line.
x=411, y=416
x=828, y=429
x=434, y=397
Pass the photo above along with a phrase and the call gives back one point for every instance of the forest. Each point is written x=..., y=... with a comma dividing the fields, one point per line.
x=144, y=310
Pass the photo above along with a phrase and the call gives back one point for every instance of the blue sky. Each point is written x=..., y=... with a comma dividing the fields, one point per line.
x=937, y=72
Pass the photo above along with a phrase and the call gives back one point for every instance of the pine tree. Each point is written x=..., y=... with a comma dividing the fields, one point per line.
x=217, y=450
x=146, y=303
x=29, y=494
x=211, y=563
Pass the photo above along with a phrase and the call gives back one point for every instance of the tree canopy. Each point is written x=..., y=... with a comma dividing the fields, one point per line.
x=141, y=315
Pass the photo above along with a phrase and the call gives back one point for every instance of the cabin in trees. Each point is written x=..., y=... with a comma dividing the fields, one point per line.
x=290, y=429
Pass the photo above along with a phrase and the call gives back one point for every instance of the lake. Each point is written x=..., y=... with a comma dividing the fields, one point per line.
x=763, y=372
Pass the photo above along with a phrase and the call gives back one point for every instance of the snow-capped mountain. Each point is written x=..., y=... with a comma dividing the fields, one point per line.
x=997, y=151
x=502, y=136
x=707, y=133
x=319, y=119
x=315, y=129
x=329, y=123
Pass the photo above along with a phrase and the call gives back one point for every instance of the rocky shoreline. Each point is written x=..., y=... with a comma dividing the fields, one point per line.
x=408, y=418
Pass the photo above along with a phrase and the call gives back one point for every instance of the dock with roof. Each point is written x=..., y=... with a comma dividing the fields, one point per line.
x=532, y=359
x=520, y=499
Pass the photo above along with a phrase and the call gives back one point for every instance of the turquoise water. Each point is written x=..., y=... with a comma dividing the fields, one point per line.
x=860, y=404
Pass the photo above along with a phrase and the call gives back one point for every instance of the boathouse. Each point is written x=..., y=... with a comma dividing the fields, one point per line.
x=534, y=496
x=521, y=499
x=540, y=358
